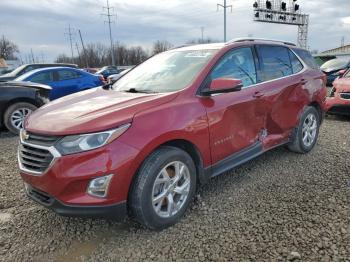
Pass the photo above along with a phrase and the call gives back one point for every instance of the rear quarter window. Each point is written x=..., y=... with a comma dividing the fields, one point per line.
x=307, y=58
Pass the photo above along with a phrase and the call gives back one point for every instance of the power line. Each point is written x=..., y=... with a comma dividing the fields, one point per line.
x=70, y=34
x=109, y=14
x=224, y=6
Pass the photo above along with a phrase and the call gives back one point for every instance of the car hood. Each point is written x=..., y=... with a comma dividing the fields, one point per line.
x=6, y=78
x=19, y=84
x=342, y=84
x=91, y=111
x=331, y=69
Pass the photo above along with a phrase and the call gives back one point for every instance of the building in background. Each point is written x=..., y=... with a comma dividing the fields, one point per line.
x=339, y=52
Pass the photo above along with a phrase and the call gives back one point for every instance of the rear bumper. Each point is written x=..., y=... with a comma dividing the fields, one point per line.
x=115, y=211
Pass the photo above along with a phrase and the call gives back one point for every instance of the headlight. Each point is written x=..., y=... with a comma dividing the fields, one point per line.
x=80, y=143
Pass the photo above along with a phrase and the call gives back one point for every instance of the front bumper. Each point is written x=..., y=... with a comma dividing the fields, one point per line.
x=343, y=110
x=336, y=105
x=67, y=178
x=115, y=211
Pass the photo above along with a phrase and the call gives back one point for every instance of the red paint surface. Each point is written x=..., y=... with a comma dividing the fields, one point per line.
x=341, y=85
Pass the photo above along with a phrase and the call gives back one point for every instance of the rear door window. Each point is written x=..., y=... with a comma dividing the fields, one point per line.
x=42, y=78
x=68, y=75
x=238, y=64
x=274, y=61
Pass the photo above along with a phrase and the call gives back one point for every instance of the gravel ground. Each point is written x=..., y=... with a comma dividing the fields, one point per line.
x=281, y=206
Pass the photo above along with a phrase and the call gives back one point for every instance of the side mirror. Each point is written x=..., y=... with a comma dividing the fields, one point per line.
x=223, y=85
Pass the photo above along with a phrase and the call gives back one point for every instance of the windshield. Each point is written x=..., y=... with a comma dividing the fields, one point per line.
x=335, y=63
x=166, y=72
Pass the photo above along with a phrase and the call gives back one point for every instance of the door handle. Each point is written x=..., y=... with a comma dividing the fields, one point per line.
x=303, y=81
x=258, y=94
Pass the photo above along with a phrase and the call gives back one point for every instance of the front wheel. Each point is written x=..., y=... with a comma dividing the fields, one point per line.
x=306, y=134
x=163, y=188
x=15, y=114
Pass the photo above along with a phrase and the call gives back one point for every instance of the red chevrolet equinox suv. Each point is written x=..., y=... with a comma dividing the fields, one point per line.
x=143, y=145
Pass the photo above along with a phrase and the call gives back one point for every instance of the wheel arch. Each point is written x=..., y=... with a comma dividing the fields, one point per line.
x=14, y=101
x=318, y=107
x=184, y=145
x=194, y=153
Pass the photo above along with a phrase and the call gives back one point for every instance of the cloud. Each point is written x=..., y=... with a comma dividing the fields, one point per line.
x=41, y=24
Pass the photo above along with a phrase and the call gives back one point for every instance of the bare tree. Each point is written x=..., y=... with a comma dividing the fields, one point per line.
x=161, y=46
x=202, y=41
x=8, y=49
x=97, y=55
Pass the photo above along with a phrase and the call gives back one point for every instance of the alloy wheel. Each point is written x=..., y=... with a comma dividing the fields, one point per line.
x=18, y=116
x=309, y=130
x=171, y=189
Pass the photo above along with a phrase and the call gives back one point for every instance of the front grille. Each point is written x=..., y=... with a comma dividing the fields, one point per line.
x=345, y=95
x=41, y=140
x=34, y=159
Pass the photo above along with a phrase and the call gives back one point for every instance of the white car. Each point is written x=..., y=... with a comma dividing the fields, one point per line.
x=113, y=78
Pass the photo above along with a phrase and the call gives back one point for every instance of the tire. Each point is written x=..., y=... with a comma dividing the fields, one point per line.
x=146, y=204
x=300, y=145
x=16, y=113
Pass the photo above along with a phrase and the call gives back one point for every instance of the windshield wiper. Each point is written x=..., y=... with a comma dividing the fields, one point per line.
x=146, y=91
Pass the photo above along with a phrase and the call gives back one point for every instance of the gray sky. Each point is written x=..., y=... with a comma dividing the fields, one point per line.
x=40, y=24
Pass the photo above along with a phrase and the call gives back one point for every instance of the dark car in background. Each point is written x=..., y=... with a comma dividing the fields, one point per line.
x=17, y=100
x=63, y=80
x=29, y=67
x=335, y=68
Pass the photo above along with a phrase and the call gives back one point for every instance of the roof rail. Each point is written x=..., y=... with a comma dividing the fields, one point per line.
x=237, y=40
x=180, y=46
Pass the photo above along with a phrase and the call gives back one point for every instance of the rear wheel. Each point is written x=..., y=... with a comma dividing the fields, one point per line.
x=306, y=134
x=15, y=114
x=163, y=188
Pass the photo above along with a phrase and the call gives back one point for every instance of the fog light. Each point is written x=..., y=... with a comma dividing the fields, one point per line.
x=99, y=186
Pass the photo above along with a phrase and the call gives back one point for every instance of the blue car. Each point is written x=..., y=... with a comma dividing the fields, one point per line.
x=63, y=80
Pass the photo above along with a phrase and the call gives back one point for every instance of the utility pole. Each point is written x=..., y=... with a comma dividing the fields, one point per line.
x=224, y=6
x=84, y=50
x=31, y=52
x=342, y=45
x=70, y=34
x=109, y=14
x=76, y=44
x=202, y=31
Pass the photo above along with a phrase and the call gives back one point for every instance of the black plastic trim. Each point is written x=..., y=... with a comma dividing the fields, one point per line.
x=114, y=212
x=235, y=160
x=343, y=110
